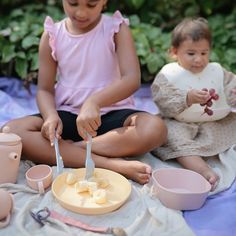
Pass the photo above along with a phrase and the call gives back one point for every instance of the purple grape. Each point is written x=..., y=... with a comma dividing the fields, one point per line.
x=215, y=97
x=209, y=103
x=208, y=111
x=212, y=92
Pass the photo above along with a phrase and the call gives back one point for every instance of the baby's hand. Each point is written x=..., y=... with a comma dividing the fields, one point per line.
x=88, y=120
x=198, y=96
x=233, y=91
x=49, y=126
x=233, y=101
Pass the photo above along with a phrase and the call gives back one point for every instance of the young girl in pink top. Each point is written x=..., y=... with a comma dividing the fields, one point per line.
x=92, y=57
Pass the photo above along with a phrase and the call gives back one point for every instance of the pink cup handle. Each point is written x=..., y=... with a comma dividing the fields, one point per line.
x=40, y=187
x=12, y=199
x=4, y=223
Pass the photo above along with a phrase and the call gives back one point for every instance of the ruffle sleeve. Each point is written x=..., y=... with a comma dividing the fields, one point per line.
x=170, y=100
x=117, y=20
x=49, y=27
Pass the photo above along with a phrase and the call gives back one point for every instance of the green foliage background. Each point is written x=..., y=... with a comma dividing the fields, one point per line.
x=151, y=22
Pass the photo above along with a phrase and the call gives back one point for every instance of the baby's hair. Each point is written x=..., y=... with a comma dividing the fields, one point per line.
x=191, y=28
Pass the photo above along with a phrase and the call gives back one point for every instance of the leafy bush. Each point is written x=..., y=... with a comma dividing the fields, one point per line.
x=20, y=39
x=152, y=45
x=224, y=40
x=153, y=40
x=151, y=23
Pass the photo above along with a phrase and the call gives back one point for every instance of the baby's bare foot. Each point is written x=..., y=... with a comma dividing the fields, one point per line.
x=211, y=177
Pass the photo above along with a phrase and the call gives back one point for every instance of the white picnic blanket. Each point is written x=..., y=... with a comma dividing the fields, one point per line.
x=142, y=214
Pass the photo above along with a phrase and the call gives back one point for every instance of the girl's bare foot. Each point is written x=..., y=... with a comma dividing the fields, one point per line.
x=135, y=170
x=132, y=169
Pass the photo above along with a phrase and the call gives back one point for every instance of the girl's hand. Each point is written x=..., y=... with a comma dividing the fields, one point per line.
x=197, y=96
x=52, y=127
x=88, y=120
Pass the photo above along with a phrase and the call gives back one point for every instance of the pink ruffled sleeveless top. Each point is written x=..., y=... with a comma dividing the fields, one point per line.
x=87, y=63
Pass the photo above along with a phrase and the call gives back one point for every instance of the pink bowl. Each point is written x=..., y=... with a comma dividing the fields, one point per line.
x=180, y=189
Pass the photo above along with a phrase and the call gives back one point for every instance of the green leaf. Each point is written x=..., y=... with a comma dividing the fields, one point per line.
x=154, y=33
x=138, y=3
x=8, y=52
x=6, y=32
x=230, y=56
x=191, y=11
x=18, y=32
x=214, y=56
x=154, y=62
x=21, y=55
x=29, y=41
x=141, y=51
x=21, y=67
x=34, y=61
x=36, y=29
x=134, y=20
x=17, y=12
x=14, y=37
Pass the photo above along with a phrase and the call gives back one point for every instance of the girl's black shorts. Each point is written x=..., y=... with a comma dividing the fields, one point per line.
x=111, y=120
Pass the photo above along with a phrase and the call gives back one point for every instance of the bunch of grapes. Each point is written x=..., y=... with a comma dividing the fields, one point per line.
x=214, y=96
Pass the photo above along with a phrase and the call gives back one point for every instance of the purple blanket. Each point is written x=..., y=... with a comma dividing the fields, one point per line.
x=216, y=218
x=15, y=100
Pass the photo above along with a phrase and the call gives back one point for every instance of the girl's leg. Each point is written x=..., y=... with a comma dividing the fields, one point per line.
x=141, y=133
x=38, y=149
x=197, y=164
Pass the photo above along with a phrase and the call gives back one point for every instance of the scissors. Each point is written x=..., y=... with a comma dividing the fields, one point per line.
x=42, y=215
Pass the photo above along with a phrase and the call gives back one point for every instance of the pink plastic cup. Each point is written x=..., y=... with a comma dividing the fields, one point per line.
x=6, y=207
x=39, y=177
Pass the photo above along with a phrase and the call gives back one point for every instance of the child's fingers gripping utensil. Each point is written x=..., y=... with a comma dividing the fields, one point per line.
x=89, y=163
x=60, y=164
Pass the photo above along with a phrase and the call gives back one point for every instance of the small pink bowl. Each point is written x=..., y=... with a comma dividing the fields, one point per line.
x=180, y=189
